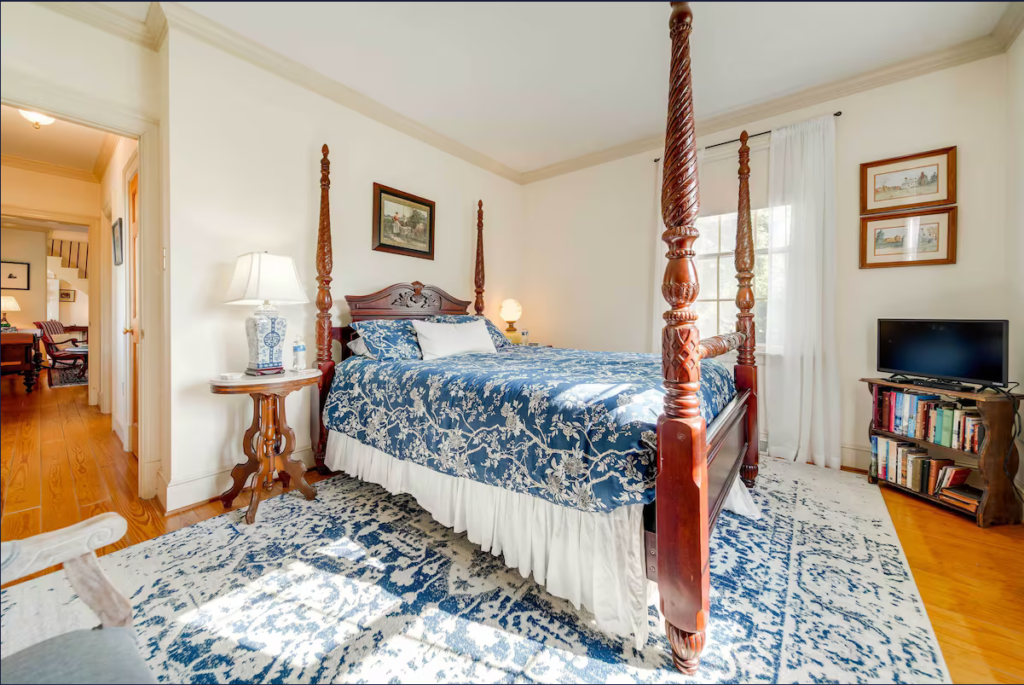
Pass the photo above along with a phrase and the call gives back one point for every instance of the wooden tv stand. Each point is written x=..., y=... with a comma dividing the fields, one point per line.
x=999, y=503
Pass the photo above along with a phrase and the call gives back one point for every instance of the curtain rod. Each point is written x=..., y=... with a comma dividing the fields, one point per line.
x=736, y=140
x=762, y=133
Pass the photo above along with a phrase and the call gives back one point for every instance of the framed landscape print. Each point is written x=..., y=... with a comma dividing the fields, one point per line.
x=402, y=223
x=67, y=296
x=917, y=238
x=14, y=276
x=927, y=179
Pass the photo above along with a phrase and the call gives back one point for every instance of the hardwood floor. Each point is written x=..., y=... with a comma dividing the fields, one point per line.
x=61, y=464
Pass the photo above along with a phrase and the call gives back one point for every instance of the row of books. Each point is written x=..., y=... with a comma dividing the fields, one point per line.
x=926, y=417
x=905, y=464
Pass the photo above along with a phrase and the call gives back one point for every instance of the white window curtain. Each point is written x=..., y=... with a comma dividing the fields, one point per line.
x=658, y=304
x=801, y=374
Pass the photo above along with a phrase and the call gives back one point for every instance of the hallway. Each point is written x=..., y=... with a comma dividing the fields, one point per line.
x=62, y=464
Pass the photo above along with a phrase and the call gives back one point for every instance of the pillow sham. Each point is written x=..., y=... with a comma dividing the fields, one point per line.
x=439, y=340
x=497, y=337
x=358, y=347
x=389, y=339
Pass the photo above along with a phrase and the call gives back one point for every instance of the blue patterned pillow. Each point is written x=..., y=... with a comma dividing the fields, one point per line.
x=497, y=337
x=389, y=339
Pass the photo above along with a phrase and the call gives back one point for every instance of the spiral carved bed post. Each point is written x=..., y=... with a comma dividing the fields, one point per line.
x=746, y=365
x=324, y=302
x=682, y=523
x=478, y=305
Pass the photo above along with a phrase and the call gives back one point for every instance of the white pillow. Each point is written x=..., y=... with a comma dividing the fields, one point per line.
x=452, y=339
x=358, y=347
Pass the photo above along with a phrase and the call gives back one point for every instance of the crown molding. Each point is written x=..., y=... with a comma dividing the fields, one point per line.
x=969, y=51
x=47, y=168
x=1010, y=25
x=629, y=149
x=105, y=18
x=106, y=153
x=153, y=32
x=183, y=19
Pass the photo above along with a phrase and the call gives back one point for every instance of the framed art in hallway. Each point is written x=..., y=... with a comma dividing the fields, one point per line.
x=15, y=276
x=927, y=179
x=118, y=238
x=402, y=223
x=67, y=295
x=923, y=238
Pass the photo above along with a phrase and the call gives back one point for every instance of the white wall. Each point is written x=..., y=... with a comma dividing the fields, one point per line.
x=113, y=305
x=28, y=247
x=244, y=171
x=591, y=232
x=74, y=313
x=43, y=45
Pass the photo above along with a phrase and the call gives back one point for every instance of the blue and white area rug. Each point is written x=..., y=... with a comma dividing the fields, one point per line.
x=360, y=586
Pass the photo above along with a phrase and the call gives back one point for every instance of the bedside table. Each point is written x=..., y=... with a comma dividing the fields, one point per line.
x=270, y=441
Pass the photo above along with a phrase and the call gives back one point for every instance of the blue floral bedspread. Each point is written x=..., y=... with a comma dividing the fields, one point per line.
x=576, y=428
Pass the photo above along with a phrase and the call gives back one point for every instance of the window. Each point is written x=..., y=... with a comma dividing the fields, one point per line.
x=716, y=270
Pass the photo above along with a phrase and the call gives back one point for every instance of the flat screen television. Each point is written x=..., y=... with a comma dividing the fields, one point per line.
x=972, y=351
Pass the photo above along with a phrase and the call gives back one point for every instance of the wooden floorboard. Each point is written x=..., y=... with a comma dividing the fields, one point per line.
x=60, y=462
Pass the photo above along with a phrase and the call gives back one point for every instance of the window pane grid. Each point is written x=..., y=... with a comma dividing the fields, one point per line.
x=716, y=272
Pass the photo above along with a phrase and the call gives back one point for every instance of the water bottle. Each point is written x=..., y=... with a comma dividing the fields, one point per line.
x=299, y=354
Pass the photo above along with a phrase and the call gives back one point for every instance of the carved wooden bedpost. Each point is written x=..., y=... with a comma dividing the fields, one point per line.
x=478, y=305
x=746, y=365
x=324, y=266
x=682, y=521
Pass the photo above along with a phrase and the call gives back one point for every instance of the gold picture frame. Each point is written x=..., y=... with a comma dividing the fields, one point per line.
x=926, y=179
x=923, y=238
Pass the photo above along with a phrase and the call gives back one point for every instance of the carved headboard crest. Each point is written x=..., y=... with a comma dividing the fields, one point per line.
x=405, y=301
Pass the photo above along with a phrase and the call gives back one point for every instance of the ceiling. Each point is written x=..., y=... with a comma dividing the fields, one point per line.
x=21, y=223
x=533, y=84
x=61, y=143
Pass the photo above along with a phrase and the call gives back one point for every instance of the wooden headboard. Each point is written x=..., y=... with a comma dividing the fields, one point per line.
x=399, y=301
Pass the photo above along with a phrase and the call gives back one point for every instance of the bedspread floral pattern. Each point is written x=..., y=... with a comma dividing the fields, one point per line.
x=389, y=339
x=573, y=427
x=497, y=337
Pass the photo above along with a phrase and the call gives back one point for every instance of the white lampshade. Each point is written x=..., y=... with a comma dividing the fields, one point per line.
x=261, y=277
x=9, y=304
x=511, y=310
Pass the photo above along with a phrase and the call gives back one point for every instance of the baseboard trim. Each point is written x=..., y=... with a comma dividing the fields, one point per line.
x=185, y=493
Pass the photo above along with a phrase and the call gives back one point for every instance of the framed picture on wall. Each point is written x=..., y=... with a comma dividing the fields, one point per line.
x=927, y=179
x=67, y=296
x=921, y=238
x=402, y=223
x=15, y=276
x=118, y=237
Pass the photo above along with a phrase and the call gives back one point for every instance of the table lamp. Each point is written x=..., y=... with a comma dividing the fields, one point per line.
x=7, y=304
x=263, y=280
x=511, y=311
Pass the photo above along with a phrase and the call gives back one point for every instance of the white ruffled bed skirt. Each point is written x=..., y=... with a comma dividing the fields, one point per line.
x=596, y=561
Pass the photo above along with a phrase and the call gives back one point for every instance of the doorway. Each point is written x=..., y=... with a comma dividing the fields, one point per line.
x=134, y=304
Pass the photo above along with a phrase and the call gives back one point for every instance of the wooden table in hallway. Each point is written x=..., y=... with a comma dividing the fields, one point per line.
x=270, y=441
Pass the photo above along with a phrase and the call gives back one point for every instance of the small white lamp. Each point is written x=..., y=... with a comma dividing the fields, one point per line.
x=262, y=279
x=7, y=304
x=511, y=311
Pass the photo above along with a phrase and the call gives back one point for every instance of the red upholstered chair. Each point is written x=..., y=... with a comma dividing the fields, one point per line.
x=56, y=348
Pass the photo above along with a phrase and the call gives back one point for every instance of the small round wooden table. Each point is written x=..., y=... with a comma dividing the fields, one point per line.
x=270, y=441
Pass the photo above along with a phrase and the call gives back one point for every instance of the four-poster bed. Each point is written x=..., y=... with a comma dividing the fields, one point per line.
x=697, y=463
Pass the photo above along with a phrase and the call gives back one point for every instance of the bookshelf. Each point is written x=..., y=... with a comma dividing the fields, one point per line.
x=999, y=503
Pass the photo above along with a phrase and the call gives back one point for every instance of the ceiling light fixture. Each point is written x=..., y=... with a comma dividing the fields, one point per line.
x=37, y=119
